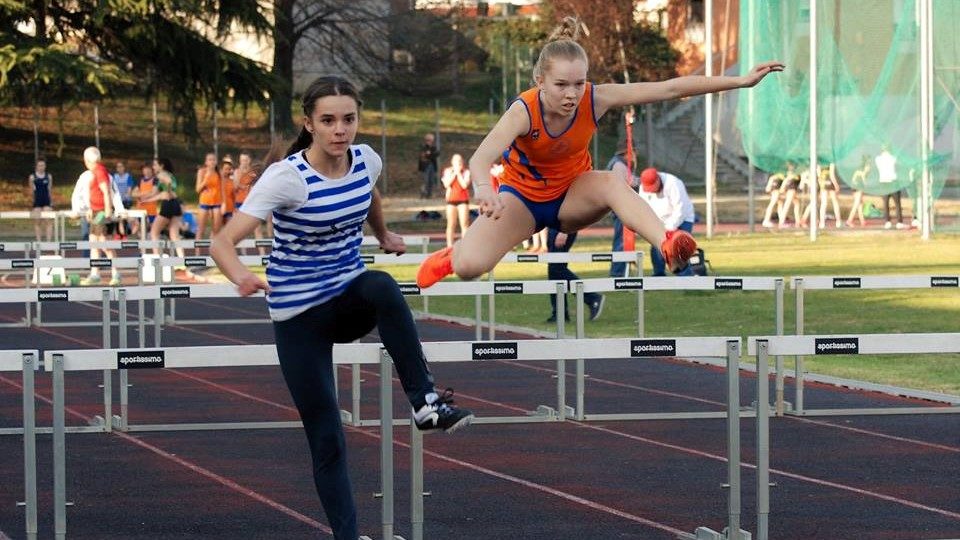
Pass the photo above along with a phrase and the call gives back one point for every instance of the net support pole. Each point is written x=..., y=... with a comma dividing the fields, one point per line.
x=813, y=122
x=708, y=119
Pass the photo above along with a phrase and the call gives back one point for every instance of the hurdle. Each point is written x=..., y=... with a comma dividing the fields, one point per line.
x=26, y=362
x=642, y=284
x=45, y=214
x=543, y=413
x=21, y=247
x=727, y=348
x=133, y=213
x=61, y=362
x=856, y=344
x=829, y=283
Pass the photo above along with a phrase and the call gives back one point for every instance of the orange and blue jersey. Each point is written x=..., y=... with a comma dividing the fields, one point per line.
x=541, y=165
x=211, y=191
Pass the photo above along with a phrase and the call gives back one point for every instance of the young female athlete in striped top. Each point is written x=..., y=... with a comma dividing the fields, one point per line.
x=548, y=178
x=319, y=291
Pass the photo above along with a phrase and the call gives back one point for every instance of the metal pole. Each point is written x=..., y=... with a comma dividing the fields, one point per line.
x=355, y=393
x=561, y=363
x=492, y=308
x=216, y=138
x=36, y=134
x=29, y=446
x=124, y=374
x=581, y=374
x=107, y=374
x=478, y=309
x=648, y=124
x=383, y=143
x=778, y=387
x=416, y=482
x=59, y=453
x=763, y=441
x=798, y=365
x=708, y=118
x=733, y=438
x=386, y=445
x=156, y=135
x=813, y=123
x=436, y=122
x=96, y=126
x=751, y=203
x=926, y=126
x=503, y=73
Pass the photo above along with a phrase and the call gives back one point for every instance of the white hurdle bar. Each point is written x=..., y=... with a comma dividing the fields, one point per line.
x=764, y=347
x=21, y=247
x=642, y=284
x=60, y=362
x=158, y=293
x=848, y=283
x=860, y=344
x=26, y=362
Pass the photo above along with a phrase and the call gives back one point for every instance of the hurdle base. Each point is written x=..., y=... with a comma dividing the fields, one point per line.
x=705, y=533
x=395, y=537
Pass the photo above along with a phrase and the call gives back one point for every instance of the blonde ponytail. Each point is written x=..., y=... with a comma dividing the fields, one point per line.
x=562, y=43
x=569, y=28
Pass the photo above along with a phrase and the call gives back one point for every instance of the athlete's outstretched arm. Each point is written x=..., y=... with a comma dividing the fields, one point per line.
x=611, y=96
x=514, y=123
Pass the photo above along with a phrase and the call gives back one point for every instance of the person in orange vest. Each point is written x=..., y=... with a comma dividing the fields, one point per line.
x=548, y=178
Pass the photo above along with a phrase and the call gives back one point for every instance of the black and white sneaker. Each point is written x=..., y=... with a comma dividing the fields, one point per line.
x=442, y=415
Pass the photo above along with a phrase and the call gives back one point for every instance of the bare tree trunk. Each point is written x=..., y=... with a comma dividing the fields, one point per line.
x=283, y=49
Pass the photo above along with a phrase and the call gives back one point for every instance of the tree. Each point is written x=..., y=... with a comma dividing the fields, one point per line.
x=98, y=49
x=649, y=55
x=341, y=36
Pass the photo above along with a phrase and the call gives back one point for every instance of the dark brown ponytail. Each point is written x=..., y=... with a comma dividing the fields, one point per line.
x=330, y=85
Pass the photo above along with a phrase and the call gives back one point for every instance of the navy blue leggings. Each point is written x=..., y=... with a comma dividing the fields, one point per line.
x=305, y=347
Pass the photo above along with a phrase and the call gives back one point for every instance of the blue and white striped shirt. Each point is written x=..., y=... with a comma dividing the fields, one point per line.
x=318, y=228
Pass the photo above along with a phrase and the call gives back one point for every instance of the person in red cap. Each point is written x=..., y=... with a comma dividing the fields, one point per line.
x=667, y=196
x=548, y=178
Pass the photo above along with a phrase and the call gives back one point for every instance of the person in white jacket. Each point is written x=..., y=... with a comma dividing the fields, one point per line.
x=667, y=195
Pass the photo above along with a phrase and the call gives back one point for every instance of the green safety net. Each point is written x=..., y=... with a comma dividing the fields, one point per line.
x=868, y=88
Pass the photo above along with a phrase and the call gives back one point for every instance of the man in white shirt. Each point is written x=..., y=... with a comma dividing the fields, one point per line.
x=667, y=196
x=887, y=175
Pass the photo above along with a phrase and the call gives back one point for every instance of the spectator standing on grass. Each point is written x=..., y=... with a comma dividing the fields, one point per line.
x=145, y=193
x=100, y=214
x=667, y=196
x=427, y=165
x=40, y=184
x=887, y=176
x=226, y=174
x=210, y=196
x=561, y=242
x=456, y=183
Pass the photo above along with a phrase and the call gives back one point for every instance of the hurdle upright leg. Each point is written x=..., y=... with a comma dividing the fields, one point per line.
x=733, y=439
x=59, y=453
x=29, y=446
x=107, y=374
x=763, y=441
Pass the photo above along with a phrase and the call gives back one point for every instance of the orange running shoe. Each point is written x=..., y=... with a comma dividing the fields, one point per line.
x=677, y=249
x=435, y=267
